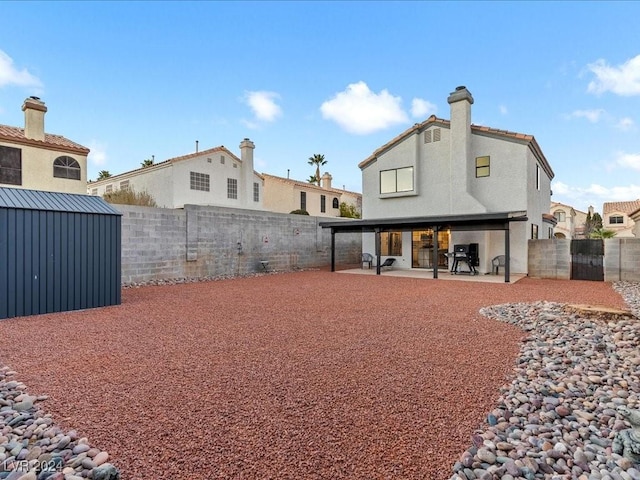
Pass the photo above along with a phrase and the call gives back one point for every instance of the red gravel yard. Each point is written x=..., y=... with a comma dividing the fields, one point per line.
x=309, y=375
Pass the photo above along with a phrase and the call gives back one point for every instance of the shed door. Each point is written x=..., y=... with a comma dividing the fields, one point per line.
x=587, y=260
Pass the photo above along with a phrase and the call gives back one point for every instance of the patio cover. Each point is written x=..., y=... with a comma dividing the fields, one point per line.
x=478, y=222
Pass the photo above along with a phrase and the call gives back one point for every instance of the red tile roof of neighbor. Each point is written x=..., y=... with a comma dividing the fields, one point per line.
x=624, y=207
x=478, y=129
x=50, y=142
x=307, y=184
x=170, y=161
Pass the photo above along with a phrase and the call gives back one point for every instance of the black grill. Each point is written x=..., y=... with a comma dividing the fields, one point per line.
x=465, y=254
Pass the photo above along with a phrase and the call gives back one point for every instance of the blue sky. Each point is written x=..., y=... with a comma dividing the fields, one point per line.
x=135, y=79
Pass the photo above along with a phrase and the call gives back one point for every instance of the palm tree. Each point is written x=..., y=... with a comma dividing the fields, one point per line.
x=602, y=233
x=147, y=163
x=102, y=174
x=313, y=179
x=317, y=160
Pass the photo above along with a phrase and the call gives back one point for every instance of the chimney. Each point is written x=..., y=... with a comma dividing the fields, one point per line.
x=34, y=110
x=246, y=155
x=326, y=181
x=461, y=163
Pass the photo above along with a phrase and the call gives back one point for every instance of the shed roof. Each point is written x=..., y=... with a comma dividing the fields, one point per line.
x=23, y=199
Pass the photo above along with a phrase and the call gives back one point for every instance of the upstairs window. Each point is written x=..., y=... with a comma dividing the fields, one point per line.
x=10, y=165
x=303, y=200
x=396, y=180
x=534, y=231
x=559, y=215
x=232, y=188
x=256, y=192
x=323, y=203
x=108, y=189
x=483, y=166
x=538, y=177
x=66, y=167
x=199, y=181
x=335, y=203
x=124, y=185
x=616, y=219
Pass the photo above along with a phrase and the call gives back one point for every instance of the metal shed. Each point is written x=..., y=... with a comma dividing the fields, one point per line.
x=58, y=252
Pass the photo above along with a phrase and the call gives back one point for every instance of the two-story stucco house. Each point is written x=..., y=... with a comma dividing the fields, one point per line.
x=35, y=160
x=571, y=221
x=286, y=195
x=210, y=177
x=443, y=183
x=617, y=216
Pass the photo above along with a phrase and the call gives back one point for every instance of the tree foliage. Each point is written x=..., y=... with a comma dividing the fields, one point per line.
x=299, y=212
x=317, y=160
x=102, y=174
x=129, y=196
x=146, y=163
x=593, y=223
x=348, y=211
x=602, y=233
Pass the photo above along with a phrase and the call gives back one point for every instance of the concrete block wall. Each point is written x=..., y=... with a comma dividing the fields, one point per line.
x=550, y=258
x=622, y=259
x=204, y=241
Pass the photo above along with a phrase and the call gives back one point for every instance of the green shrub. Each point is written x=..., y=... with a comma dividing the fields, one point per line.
x=299, y=212
x=348, y=211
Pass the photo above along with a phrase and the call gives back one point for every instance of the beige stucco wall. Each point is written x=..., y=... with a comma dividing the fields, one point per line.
x=283, y=195
x=37, y=170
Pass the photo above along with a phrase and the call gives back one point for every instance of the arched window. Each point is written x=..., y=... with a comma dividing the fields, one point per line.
x=66, y=167
x=335, y=203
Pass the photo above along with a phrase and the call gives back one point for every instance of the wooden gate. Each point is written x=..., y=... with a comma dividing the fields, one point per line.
x=587, y=260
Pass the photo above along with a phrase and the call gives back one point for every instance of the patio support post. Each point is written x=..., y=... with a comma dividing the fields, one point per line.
x=333, y=250
x=435, y=251
x=507, y=261
x=377, y=230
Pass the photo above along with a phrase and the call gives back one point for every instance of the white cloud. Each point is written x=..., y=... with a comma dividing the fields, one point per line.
x=360, y=111
x=263, y=104
x=98, y=154
x=629, y=160
x=594, y=194
x=422, y=108
x=592, y=115
x=503, y=109
x=10, y=75
x=622, y=80
x=625, y=124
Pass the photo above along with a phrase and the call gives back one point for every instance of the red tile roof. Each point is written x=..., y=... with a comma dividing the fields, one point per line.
x=170, y=161
x=50, y=142
x=307, y=184
x=624, y=207
x=478, y=129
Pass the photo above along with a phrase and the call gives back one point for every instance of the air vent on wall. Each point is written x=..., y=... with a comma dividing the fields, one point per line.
x=427, y=136
x=436, y=134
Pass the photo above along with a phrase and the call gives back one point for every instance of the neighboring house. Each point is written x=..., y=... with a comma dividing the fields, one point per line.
x=285, y=195
x=635, y=216
x=210, y=177
x=616, y=216
x=570, y=222
x=35, y=160
x=470, y=183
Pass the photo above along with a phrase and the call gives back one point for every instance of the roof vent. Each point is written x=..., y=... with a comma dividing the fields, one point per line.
x=461, y=87
x=34, y=98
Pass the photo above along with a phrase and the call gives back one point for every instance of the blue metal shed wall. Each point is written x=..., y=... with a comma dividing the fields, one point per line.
x=55, y=261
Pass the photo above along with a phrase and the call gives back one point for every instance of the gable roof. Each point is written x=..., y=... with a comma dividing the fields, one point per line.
x=50, y=142
x=168, y=162
x=624, y=207
x=477, y=129
x=307, y=185
x=23, y=199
